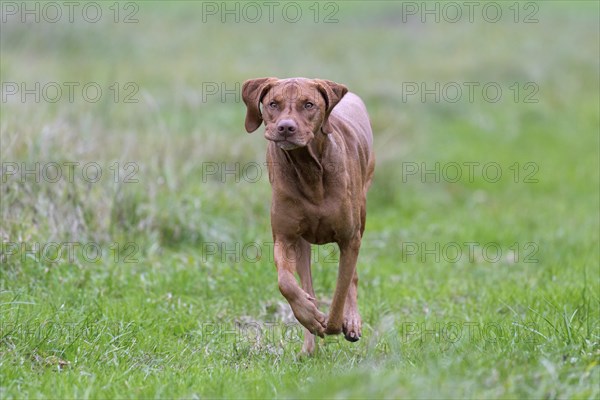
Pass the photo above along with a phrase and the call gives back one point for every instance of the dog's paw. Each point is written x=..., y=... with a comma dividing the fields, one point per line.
x=307, y=313
x=352, y=327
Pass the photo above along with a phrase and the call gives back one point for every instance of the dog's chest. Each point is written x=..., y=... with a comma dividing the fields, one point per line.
x=329, y=221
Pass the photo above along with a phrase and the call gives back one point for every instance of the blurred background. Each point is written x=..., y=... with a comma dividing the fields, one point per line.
x=159, y=85
x=160, y=88
x=122, y=126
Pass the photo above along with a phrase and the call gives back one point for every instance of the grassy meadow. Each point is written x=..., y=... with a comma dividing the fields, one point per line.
x=136, y=257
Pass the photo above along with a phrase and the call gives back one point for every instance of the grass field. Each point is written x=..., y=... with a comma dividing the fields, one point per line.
x=136, y=259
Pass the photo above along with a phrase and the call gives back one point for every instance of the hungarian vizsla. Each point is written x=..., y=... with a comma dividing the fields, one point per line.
x=321, y=162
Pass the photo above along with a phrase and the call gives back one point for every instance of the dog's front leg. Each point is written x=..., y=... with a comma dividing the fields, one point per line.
x=287, y=256
x=304, y=272
x=352, y=322
x=346, y=274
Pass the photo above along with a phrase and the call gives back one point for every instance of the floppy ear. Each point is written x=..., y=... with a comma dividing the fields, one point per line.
x=253, y=91
x=333, y=93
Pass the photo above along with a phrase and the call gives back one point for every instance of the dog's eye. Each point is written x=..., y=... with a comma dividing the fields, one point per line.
x=273, y=104
x=309, y=105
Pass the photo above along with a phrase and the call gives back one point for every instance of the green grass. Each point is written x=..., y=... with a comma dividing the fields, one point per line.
x=171, y=308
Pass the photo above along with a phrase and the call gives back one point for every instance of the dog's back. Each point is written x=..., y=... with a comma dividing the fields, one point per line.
x=350, y=119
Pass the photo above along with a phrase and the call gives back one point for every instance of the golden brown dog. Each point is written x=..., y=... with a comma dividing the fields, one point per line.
x=321, y=163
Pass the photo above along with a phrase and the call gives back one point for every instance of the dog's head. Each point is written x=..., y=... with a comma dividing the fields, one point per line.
x=294, y=110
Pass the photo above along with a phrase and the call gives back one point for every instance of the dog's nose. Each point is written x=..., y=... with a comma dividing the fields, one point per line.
x=287, y=127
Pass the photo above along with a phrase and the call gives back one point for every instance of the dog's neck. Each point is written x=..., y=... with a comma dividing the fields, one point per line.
x=304, y=165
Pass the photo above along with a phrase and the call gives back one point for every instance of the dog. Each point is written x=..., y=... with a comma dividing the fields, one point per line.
x=321, y=162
